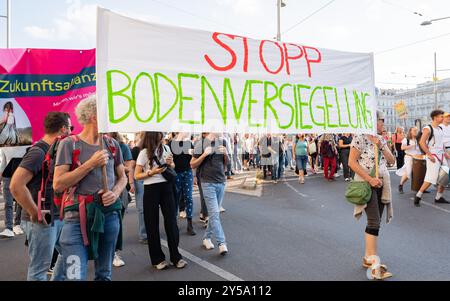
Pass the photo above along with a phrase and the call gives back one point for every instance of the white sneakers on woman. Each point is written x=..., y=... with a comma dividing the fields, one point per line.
x=118, y=261
x=7, y=233
x=223, y=250
x=207, y=243
x=18, y=230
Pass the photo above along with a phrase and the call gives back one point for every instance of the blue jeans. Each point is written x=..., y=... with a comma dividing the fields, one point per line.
x=258, y=158
x=184, y=184
x=42, y=240
x=139, y=195
x=237, y=164
x=275, y=175
x=75, y=254
x=213, y=193
x=9, y=202
x=287, y=155
x=281, y=161
x=229, y=169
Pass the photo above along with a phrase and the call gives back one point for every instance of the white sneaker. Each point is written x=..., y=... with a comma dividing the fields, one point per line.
x=17, y=230
x=223, y=250
x=336, y=175
x=180, y=264
x=347, y=179
x=118, y=262
x=7, y=233
x=183, y=214
x=161, y=266
x=222, y=209
x=207, y=243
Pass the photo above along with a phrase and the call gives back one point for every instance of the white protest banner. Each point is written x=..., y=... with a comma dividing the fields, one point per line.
x=154, y=77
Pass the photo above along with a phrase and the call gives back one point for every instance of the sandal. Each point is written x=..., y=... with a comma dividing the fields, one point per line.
x=367, y=264
x=380, y=274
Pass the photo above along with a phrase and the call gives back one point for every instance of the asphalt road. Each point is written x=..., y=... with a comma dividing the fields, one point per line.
x=288, y=231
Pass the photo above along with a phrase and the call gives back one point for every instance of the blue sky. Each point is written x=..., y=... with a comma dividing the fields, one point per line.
x=349, y=25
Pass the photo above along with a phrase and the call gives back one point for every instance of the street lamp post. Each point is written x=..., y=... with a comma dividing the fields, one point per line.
x=8, y=38
x=280, y=4
x=425, y=23
x=435, y=83
x=8, y=23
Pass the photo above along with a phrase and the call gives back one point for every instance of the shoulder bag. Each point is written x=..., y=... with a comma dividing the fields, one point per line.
x=360, y=192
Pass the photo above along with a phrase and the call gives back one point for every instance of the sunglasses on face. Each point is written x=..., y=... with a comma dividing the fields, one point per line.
x=382, y=120
x=71, y=128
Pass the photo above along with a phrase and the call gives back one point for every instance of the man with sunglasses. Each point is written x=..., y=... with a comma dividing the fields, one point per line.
x=42, y=234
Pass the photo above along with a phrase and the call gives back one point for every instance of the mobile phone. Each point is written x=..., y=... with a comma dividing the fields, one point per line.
x=48, y=218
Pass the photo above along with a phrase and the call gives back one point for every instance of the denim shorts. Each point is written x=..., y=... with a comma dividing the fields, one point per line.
x=301, y=162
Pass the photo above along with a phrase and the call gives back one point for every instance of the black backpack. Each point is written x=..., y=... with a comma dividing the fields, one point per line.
x=11, y=167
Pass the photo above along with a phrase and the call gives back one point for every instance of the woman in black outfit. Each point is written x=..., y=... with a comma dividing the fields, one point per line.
x=158, y=192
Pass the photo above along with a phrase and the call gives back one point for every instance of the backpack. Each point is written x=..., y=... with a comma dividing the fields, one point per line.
x=48, y=168
x=312, y=149
x=326, y=150
x=11, y=167
x=419, y=136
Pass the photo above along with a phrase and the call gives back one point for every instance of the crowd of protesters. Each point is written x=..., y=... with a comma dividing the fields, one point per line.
x=72, y=191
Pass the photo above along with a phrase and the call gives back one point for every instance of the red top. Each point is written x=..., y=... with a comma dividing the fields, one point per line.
x=399, y=137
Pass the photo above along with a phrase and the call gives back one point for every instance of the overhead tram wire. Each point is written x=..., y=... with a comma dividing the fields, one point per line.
x=194, y=15
x=413, y=43
x=395, y=84
x=309, y=16
x=402, y=7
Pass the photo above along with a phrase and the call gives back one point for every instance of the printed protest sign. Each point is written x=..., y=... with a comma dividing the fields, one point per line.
x=34, y=82
x=154, y=77
x=401, y=110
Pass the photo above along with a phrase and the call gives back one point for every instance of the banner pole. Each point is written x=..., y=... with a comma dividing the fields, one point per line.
x=104, y=174
x=376, y=161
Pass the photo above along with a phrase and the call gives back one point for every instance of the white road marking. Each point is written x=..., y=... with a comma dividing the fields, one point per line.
x=208, y=266
x=434, y=206
x=296, y=191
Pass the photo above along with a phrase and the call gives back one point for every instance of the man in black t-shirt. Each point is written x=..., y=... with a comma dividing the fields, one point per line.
x=25, y=185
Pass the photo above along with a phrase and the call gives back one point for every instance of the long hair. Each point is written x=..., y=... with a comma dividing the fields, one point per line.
x=399, y=129
x=11, y=106
x=410, y=137
x=152, y=141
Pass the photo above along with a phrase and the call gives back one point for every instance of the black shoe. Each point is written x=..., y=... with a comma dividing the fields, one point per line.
x=190, y=228
x=400, y=189
x=417, y=201
x=442, y=201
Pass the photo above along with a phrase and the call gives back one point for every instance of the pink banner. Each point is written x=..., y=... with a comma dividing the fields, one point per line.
x=34, y=82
